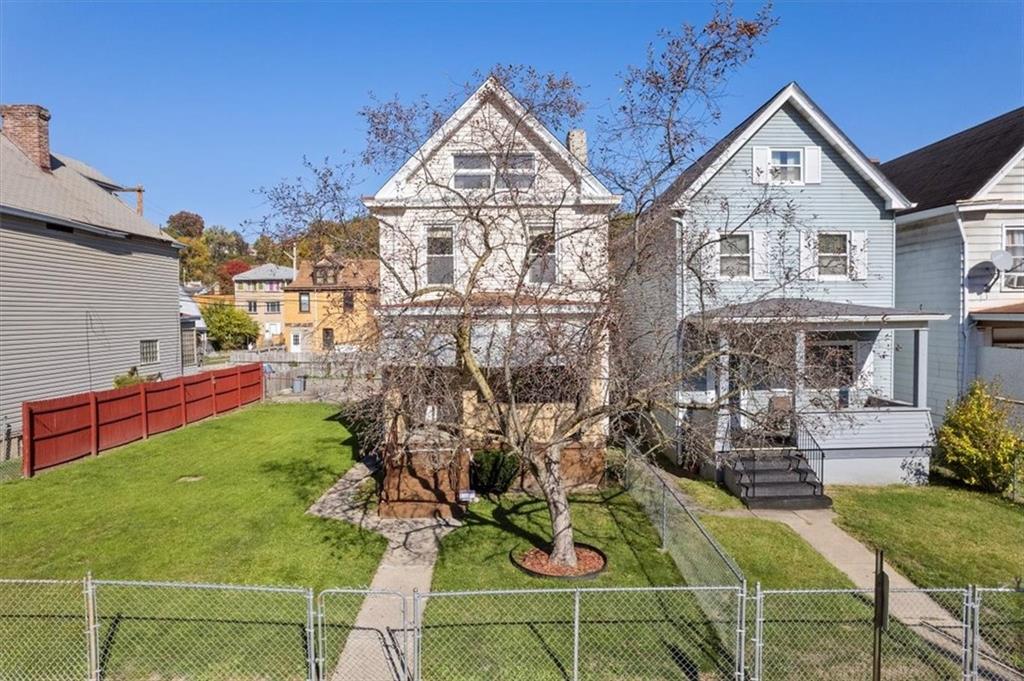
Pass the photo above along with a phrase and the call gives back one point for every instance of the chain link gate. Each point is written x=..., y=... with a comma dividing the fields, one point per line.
x=362, y=635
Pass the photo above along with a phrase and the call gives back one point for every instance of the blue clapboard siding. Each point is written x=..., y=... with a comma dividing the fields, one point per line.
x=74, y=308
x=843, y=201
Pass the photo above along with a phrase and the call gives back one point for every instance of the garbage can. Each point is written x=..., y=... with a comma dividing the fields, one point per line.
x=299, y=384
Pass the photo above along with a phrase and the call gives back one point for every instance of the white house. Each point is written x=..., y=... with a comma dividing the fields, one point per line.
x=960, y=250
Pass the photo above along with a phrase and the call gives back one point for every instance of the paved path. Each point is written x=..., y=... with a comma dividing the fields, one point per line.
x=372, y=650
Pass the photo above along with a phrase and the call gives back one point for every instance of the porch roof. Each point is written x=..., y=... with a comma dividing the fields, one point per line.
x=820, y=312
x=1013, y=312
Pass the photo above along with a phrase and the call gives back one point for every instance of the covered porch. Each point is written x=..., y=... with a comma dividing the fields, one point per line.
x=804, y=395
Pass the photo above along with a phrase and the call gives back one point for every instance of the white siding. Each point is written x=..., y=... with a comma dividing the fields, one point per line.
x=74, y=308
x=1011, y=187
x=928, y=276
x=984, y=235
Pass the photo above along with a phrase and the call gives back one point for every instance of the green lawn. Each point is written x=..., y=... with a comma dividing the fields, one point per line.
x=220, y=501
x=708, y=495
x=937, y=535
x=659, y=635
x=774, y=555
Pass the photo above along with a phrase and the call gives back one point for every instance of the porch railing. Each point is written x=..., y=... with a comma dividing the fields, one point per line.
x=811, y=452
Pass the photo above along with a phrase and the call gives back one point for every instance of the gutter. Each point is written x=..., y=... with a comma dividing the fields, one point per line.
x=85, y=227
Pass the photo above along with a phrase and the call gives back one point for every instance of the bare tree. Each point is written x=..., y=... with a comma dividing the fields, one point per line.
x=501, y=322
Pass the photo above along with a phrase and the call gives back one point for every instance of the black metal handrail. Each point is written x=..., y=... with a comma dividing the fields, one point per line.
x=812, y=453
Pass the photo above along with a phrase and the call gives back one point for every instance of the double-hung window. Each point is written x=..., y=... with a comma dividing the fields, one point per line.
x=1013, y=243
x=149, y=351
x=833, y=255
x=473, y=171
x=831, y=364
x=348, y=301
x=323, y=276
x=734, y=256
x=251, y=306
x=273, y=307
x=440, y=255
x=516, y=171
x=541, y=253
x=786, y=166
x=303, y=302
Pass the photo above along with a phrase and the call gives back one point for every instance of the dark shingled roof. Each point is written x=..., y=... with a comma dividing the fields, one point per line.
x=955, y=168
x=803, y=308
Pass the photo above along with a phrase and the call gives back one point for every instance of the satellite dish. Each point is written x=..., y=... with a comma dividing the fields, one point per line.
x=1002, y=260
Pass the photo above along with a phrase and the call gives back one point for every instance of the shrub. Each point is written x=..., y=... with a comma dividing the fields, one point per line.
x=977, y=443
x=132, y=377
x=494, y=471
x=228, y=327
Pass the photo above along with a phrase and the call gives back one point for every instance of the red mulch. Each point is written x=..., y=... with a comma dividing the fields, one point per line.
x=588, y=561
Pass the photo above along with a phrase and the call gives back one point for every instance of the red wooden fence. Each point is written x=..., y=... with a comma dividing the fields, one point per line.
x=66, y=428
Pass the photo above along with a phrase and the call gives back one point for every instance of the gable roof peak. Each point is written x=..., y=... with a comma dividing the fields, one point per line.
x=700, y=172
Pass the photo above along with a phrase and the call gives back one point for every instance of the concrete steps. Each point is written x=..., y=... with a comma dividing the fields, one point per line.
x=776, y=477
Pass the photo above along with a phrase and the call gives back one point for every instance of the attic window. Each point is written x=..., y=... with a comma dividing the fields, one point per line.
x=323, y=276
x=479, y=171
x=786, y=166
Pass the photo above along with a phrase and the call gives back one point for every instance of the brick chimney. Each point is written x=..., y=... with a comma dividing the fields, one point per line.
x=576, y=141
x=28, y=126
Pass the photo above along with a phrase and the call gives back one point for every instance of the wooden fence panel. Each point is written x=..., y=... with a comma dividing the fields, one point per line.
x=163, y=406
x=198, y=397
x=225, y=389
x=66, y=428
x=119, y=416
x=61, y=431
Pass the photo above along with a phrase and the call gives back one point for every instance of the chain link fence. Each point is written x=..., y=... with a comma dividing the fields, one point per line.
x=95, y=630
x=574, y=634
x=43, y=630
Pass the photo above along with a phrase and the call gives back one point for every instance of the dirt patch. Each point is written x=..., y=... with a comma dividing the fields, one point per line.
x=589, y=562
x=189, y=478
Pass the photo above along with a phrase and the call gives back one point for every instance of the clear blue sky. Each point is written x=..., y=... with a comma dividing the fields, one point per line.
x=202, y=103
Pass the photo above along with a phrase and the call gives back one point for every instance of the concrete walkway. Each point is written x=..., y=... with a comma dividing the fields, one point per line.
x=373, y=648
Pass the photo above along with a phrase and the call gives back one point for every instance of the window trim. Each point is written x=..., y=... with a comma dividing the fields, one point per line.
x=275, y=303
x=803, y=167
x=428, y=255
x=553, y=224
x=492, y=172
x=348, y=301
x=749, y=276
x=1006, y=228
x=252, y=307
x=845, y=342
x=849, y=255
x=305, y=294
x=142, y=358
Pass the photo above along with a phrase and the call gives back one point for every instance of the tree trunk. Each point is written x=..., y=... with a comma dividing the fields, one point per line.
x=549, y=473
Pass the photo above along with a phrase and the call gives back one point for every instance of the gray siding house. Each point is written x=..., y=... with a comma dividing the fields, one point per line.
x=821, y=260
x=88, y=287
x=969, y=191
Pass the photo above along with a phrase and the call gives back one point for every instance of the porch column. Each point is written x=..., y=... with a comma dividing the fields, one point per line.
x=920, y=367
x=723, y=367
x=800, y=361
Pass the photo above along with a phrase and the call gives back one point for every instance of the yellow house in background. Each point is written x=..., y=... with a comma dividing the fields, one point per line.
x=330, y=305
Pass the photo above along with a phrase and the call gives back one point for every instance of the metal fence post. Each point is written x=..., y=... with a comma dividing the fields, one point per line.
x=91, y=629
x=975, y=630
x=758, y=632
x=965, y=634
x=741, y=630
x=576, y=635
x=417, y=634
x=310, y=637
x=321, y=643
x=664, y=514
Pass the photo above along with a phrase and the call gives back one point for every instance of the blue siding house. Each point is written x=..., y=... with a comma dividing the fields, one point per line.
x=786, y=222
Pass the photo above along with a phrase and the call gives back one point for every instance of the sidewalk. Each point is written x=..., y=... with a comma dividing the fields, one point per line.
x=373, y=649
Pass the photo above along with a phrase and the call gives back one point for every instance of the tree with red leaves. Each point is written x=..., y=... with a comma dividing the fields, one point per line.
x=228, y=270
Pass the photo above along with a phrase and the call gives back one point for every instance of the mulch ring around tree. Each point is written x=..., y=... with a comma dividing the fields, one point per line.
x=590, y=562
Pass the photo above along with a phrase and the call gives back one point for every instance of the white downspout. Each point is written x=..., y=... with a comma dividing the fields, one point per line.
x=961, y=373
x=680, y=310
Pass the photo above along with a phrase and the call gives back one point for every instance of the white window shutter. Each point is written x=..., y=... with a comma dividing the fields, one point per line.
x=858, y=255
x=759, y=167
x=808, y=255
x=812, y=165
x=760, y=254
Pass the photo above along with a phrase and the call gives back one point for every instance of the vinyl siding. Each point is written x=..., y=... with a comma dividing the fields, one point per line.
x=843, y=201
x=928, y=276
x=984, y=235
x=1011, y=187
x=74, y=309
